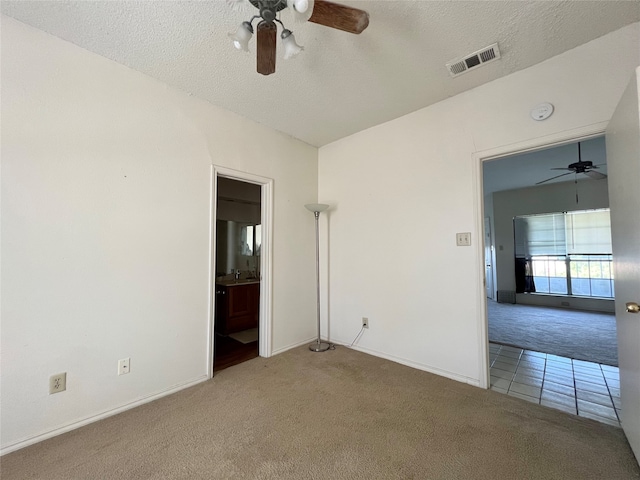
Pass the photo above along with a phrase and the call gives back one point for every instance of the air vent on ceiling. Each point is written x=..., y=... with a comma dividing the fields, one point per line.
x=474, y=60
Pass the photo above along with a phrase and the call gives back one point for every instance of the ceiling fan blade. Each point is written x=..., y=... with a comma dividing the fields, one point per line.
x=334, y=15
x=570, y=169
x=557, y=176
x=595, y=175
x=266, y=62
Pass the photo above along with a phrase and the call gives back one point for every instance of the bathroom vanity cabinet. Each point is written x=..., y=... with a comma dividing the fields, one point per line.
x=237, y=306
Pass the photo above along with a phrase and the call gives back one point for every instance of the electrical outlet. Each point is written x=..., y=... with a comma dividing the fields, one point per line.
x=123, y=366
x=365, y=322
x=57, y=383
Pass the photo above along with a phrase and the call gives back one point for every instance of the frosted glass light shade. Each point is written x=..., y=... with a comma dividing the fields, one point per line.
x=242, y=36
x=301, y=5
x=291, y=48
x=238, y=5
x=301, y=9
x=316, y=207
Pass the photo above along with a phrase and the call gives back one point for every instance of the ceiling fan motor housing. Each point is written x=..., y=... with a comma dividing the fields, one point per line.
x=581, y=166
x=267, y=14
x=269, y=8
x=272, y=5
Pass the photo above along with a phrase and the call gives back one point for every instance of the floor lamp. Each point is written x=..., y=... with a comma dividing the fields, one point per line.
x=316, y=208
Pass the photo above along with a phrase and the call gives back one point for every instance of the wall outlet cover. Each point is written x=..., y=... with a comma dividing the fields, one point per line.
x=57, y=383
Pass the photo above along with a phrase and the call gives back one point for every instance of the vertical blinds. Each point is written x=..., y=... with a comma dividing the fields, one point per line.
x=581, y=232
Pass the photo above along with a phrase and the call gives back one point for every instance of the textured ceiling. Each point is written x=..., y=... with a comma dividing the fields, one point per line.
x=341, y=83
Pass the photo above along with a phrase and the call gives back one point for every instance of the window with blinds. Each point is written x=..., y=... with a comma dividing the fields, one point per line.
x=588, y=232
x=540, y=235
x=580, y=232
x=569, y=253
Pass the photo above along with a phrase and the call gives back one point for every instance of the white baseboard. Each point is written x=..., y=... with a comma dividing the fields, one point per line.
x=94, y=418
x=409, y=363
x=293, y=345
x=419, y=366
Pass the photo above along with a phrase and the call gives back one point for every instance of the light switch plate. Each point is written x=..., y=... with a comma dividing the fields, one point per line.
x=463, y=239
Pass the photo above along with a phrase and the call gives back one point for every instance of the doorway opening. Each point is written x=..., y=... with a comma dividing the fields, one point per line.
x=550, y=345
x=241, y=268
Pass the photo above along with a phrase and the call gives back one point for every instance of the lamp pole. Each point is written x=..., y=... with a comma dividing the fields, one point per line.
x=316, y=208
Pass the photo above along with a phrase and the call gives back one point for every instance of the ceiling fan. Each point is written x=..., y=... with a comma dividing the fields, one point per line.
x=586, y=167
x=322, y=12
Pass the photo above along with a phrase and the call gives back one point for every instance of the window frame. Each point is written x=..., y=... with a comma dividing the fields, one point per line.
x=522, y=240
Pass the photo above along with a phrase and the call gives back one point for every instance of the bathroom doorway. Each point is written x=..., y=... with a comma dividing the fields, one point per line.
x=237, y=271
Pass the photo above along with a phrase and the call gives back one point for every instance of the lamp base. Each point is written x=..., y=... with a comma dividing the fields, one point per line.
x=319, y=346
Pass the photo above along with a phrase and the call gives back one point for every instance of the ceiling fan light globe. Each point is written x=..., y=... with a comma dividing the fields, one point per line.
x=301, y=9
x=291, y=48
x=238, y=5
x=242, y=36
x=301, y=5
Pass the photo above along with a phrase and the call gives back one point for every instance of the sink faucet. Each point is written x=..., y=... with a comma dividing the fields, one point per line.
x=237, y=275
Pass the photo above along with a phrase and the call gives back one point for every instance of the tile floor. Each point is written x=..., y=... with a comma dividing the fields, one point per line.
x=582, y=388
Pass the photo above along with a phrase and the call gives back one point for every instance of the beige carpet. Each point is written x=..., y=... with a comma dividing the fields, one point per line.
x=334, y=415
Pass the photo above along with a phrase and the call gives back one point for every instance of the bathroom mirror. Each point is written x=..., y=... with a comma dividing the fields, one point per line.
x=238, y=247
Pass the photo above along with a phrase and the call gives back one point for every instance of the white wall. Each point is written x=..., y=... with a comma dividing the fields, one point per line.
x=105, y=232
x=555, y=197
x=401, y=190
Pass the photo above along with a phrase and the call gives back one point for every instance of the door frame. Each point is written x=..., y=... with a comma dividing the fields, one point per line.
x=481, y=156
x=490, y=279
x=265, y=348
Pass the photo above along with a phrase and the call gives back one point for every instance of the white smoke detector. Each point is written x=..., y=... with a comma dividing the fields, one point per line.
x=542, y=111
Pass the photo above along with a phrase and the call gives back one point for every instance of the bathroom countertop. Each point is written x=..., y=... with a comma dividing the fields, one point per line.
x=233, y=282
